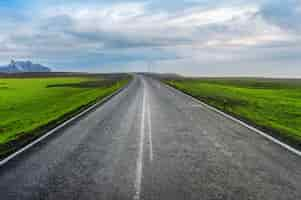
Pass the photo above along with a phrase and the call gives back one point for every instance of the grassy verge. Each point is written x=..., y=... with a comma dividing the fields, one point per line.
x=29, y=106
x=273, y=105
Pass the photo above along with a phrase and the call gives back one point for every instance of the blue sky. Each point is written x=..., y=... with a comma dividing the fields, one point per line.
x=191, y=37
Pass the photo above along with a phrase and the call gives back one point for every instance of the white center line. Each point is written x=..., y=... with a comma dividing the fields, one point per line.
x=140, y=153
x=150, y=131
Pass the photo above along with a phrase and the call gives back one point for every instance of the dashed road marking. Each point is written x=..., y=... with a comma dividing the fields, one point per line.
x=140, y=153
x=150, y=131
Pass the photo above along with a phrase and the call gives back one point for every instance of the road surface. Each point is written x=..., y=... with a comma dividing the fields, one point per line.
x=150, y=142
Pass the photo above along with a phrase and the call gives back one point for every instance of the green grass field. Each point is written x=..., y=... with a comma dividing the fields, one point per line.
x=29, y=105
x=271, y=104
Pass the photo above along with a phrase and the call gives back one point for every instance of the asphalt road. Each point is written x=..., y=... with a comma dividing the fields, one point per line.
x=150, y=142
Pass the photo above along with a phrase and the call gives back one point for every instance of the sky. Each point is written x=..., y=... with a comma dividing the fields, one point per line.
x=190, y=37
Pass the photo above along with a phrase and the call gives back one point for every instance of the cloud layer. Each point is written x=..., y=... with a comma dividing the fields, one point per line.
x=194, y=37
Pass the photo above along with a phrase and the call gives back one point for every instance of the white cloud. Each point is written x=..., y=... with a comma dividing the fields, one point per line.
x=136, y=32
x=198, y=17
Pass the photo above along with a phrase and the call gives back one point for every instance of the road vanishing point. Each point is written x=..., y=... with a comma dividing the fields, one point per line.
x=151, y=142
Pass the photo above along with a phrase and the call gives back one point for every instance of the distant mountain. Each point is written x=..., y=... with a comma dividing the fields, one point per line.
x=21, y=67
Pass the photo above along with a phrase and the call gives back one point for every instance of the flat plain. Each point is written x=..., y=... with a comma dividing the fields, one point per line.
x=30, y=104
x=273, y=105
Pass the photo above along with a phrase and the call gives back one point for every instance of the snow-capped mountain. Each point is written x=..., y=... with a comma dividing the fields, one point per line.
x=21, y=67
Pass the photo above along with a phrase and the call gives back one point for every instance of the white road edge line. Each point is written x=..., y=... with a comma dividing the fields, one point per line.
x=43, y=137
x=140, y=153
x=150, y=131
x=267, y=136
